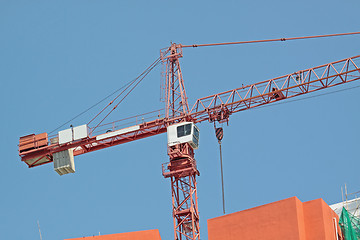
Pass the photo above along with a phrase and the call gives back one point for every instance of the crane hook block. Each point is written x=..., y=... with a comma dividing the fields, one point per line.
x=219, y=133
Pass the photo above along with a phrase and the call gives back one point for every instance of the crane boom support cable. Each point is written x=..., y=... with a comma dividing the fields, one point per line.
x=126, y=86
x=141, y=76
x=144, y=74
x=88, y=109
x=269, y=40
x=110, y=102
x=197, y=45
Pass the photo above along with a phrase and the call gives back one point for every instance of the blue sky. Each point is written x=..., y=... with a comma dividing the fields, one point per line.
x=60, y=57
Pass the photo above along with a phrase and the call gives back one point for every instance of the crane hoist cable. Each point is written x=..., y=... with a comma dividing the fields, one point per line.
x=219, y=132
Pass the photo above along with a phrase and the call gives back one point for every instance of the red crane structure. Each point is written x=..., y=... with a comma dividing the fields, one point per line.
x=179, y=123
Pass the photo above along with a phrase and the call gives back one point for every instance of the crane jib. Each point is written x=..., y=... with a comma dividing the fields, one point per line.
x=35, y=150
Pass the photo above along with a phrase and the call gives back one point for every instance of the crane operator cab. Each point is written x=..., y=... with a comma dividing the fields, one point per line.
x=185, y=132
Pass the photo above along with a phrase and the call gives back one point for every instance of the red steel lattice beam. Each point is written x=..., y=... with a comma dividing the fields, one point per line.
x=219, y=107
x=175, y=95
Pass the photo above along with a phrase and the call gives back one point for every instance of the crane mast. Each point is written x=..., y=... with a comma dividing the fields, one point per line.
x=181, y=169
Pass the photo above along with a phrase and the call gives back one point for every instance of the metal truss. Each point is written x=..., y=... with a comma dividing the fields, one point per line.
x=182, y=171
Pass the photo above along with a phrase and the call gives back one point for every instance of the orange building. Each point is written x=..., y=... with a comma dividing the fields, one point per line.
x=288, y=219
x=140, y=235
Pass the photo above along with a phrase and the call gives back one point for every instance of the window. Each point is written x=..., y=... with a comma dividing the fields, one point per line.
x=184, y=130
x=195, y=141
x=196, y=136
x=196, y=132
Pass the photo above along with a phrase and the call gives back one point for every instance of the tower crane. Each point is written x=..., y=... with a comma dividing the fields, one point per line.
x=180, y=124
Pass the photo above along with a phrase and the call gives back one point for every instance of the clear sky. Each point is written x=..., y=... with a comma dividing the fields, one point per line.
x=58, y=58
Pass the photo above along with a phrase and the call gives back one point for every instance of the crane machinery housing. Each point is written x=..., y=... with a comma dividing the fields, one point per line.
x=180, y=122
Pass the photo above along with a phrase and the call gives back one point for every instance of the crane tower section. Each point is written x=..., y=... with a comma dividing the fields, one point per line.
x=183, y=138
x=175, y=95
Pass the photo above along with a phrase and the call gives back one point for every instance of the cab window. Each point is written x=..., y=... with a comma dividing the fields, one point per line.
x=184, y=130
x=196, y=136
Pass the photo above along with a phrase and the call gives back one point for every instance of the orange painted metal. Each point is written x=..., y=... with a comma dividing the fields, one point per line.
x=285, y=219
x=33, y=141
x=140, y=235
